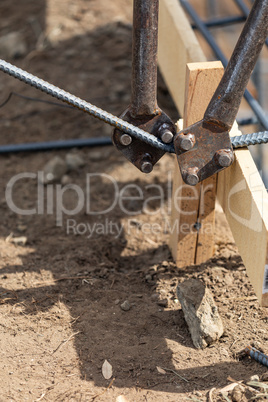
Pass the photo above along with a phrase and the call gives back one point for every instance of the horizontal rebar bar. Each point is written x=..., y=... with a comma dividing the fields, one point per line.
x=86, y=107
x=219, y=22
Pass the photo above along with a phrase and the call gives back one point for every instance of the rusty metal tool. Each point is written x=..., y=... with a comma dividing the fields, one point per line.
x=144, y=111
x=204, y=148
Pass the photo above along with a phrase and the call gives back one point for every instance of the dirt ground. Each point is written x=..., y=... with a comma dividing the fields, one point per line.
x=62, y=291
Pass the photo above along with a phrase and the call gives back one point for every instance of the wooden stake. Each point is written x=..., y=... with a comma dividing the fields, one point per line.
x=192, y=218
x=244, y=200
x=240, y=189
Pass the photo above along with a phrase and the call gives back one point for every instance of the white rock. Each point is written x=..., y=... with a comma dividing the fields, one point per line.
x=121, y=398
x=125, y=306
x=255, y=378
x=74, y=161
x=18, y=241
x=12, y=45
x=65, y=180
x=54, y=170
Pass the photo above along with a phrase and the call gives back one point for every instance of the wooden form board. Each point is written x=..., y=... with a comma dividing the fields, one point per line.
x=240, y=188
x=177, y=46
x=244, y=200
x=193, y=208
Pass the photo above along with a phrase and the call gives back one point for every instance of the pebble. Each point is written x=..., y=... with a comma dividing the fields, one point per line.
x=74, y=161
x=95, y=156
x=117, y=301
x=12, y=45
x=121, y=398
x=255, y=377
x=198, y=393
x=237, y=394
x=65, y=180
x=125, y=306
x=148, y=277
x=54, y=170
x=21, y=228
x=163, y=303
x=228, y=279
x=161, y=270
x=19, y=241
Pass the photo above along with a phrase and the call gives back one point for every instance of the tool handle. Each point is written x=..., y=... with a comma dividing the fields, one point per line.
x=226, y=100
x=144, y=57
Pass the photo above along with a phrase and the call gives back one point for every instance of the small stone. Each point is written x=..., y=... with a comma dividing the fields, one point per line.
x=255, y=377
x=161, y=270
x=200, y=312
x=95, y=156
x=155, y=296
x=21, y=228
x=228, y=279
x=12, y=45
x=18, y=241
x=121, y=398
x=54, y=170
x=125, y=306
x=163, y=303
x=74, y=161
x=237, y=394
x=117, y=301
x=65, y=180
x=148, y=277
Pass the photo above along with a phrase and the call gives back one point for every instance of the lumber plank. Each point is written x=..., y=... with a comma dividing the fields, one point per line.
x=177, y=46
x=244, y=200
x=193, y=208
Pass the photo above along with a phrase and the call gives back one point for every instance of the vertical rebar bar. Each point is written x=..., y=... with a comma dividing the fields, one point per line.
x=144, y=56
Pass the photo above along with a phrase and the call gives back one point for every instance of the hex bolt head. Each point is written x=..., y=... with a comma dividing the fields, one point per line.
x=167, y=136
x=191, y=177
x=146, y=167
x=125, y=139
x=186, y=141
x=224, y=157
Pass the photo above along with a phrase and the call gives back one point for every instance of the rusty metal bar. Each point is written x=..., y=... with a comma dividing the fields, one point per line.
x=224, y=104
x=144, y=56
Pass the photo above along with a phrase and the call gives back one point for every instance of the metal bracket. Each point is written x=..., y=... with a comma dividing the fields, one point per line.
x=203, y=149
x=142, y=155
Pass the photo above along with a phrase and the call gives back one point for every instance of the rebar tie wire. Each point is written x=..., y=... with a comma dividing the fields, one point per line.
x=60, y=94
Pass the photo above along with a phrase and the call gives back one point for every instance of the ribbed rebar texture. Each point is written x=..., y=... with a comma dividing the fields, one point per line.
x=237, y=142
x=82, y=105
x=249, y=139
x=257, y=355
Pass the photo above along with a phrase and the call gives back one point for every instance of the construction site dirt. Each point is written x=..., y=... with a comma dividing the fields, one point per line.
x=84, y=282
